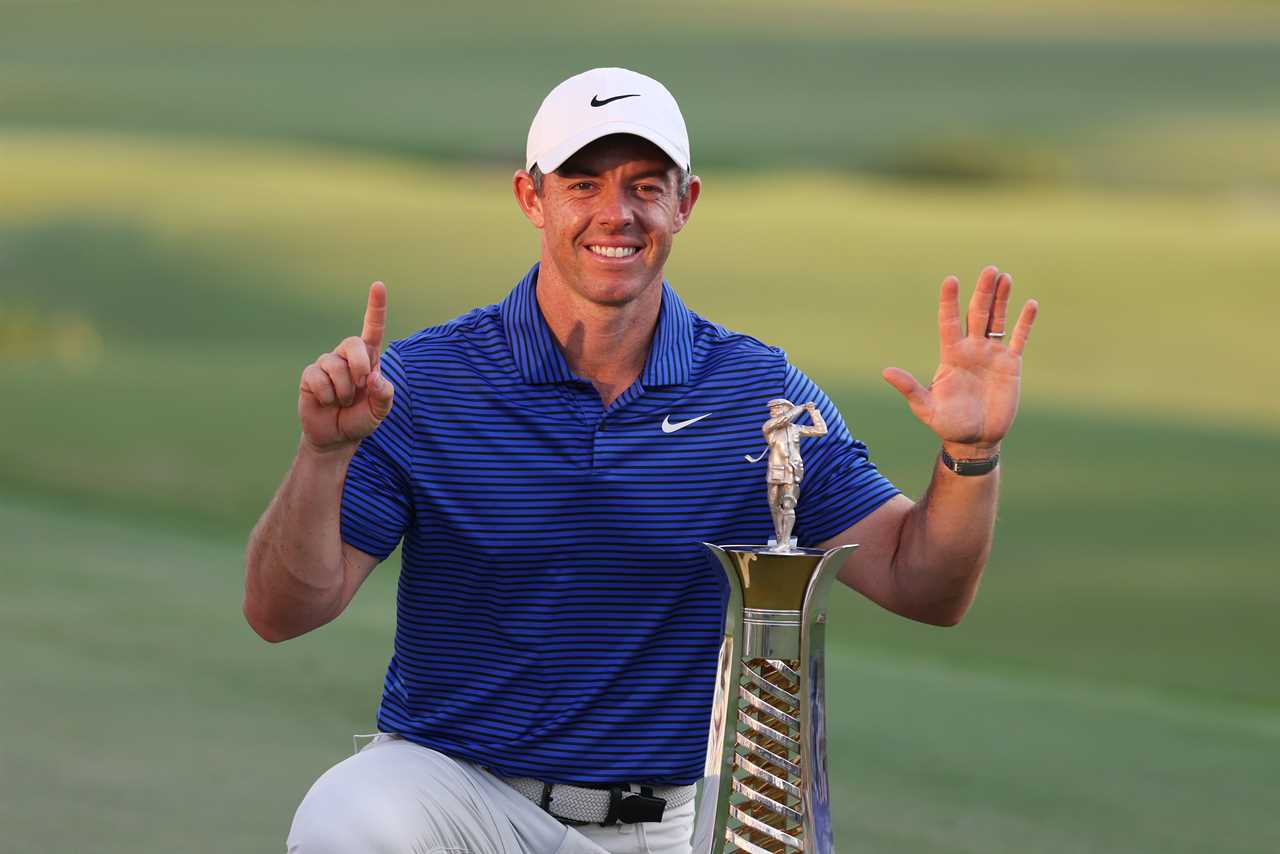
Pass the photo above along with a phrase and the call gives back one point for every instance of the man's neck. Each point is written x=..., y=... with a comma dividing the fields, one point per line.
x=606, y=344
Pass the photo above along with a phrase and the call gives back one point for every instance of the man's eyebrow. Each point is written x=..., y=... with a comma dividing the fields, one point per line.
x=656, y=172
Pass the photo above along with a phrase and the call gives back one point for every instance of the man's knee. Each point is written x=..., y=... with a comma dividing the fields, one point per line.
x=394, y=797
x=343, y=819
x=370, y=804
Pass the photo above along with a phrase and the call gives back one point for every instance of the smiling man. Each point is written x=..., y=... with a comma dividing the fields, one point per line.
x=558, y=621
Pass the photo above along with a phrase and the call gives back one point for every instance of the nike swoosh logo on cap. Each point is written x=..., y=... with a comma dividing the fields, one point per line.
x=668, y=427
x=596, y=102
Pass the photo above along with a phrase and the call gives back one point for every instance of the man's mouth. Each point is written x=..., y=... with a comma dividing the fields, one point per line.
x=613, y=251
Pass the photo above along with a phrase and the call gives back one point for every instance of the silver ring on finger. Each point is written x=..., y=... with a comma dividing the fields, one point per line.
x=995, y=334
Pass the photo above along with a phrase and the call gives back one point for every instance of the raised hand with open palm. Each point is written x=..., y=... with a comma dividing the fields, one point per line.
x=973, y=397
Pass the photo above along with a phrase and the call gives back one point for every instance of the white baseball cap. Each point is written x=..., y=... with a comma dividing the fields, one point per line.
x=600, y=102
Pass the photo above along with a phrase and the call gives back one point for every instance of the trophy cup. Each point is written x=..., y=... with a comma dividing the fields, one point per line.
x=764, y=789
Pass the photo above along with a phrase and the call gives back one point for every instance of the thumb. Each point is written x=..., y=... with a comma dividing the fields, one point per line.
x=381, y=393
x=906, y=385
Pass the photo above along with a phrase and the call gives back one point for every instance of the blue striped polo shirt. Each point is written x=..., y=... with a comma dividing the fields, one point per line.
x=556, y=615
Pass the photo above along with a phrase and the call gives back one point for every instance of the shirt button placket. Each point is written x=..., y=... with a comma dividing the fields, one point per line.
x=596, y=439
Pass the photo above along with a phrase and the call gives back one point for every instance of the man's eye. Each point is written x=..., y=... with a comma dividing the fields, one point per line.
x=582, y=185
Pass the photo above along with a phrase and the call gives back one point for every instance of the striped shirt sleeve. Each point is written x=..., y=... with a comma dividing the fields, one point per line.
x=841, y=486
x=377, y=503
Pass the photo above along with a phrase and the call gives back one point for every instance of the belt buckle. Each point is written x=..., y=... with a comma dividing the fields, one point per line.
x=634, y=808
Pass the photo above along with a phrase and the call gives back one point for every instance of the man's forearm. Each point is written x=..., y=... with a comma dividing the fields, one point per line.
x=294, y=577
x=944, y=544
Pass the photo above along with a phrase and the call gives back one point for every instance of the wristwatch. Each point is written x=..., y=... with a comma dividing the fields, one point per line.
x=968, y=468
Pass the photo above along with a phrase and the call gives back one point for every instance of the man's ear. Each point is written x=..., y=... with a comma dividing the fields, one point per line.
x=527, y=197
x=684, y=206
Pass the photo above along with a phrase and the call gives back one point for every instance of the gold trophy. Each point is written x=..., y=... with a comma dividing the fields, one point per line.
x=764, y=789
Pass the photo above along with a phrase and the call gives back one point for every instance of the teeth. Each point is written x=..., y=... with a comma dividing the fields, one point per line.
x=613, y=251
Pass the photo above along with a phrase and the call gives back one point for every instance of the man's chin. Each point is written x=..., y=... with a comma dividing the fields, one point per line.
x=616, y=289
x=614, y=298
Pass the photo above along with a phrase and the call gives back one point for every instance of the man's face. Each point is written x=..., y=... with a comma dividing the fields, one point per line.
x=608, y=216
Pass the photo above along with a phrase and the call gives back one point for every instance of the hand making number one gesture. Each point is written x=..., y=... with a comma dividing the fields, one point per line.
x=973, y=397
x=343, y=395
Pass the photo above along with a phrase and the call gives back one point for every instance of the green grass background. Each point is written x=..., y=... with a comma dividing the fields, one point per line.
x=194, y=199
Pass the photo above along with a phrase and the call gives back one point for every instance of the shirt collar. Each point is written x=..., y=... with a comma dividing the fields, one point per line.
x=540, y=361
x=533, y=347
x=672, y=347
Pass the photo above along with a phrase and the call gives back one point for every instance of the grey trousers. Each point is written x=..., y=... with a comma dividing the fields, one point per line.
x=396, y=797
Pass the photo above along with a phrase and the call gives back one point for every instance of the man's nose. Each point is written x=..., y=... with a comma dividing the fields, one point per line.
x=616, y=208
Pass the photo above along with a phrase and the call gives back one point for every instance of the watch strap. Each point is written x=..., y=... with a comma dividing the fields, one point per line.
x=969, y=468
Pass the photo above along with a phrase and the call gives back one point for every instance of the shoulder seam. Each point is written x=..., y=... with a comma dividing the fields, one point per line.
x=733, y=336
x=460, y=324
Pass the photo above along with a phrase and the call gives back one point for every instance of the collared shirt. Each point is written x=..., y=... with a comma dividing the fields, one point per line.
x=557, y=615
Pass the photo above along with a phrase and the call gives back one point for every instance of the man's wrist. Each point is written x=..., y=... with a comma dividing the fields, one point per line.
x=971, y=450
x=337, y=454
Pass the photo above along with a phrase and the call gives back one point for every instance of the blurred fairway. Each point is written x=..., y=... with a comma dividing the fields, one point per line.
x=191, y=210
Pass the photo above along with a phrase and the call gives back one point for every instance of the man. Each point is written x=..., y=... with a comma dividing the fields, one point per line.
x=786, y=466
x=557, y=620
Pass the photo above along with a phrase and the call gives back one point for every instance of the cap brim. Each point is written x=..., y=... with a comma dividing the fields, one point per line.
x=551, y=160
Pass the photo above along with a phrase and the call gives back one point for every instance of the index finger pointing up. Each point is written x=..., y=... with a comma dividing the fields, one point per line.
x=375, y=316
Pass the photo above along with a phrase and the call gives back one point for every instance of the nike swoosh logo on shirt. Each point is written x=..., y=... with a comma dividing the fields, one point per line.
x=669, y=427
x=596, y=102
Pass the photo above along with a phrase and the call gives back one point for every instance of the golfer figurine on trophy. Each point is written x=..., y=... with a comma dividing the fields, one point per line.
x=786, y=468
x=764, y=789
